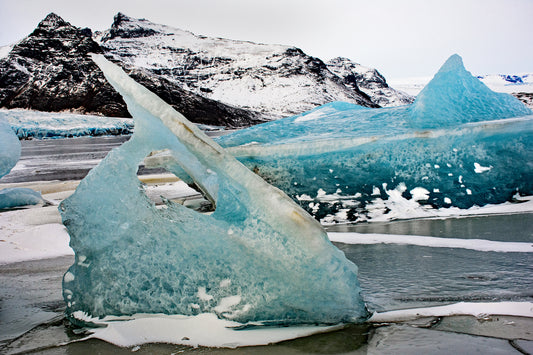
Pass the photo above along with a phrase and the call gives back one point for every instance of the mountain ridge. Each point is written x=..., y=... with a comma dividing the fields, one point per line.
x=214, y=81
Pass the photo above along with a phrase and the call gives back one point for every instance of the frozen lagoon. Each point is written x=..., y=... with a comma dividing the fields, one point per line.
x=393, y=276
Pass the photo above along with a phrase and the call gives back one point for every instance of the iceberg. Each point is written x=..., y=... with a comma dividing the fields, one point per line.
x=458, y=145
x=9, y=156
x=259, y=257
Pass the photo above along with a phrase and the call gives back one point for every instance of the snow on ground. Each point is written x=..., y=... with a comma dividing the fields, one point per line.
x=499, y=83
x=476, y=309
x=201, y=330
x=208, y=330
x=434, y=242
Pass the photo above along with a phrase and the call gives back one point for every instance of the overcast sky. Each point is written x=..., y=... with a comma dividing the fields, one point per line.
x=400, y=38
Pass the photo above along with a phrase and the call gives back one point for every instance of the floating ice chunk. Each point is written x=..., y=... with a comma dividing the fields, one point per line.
x=19, y=196
x=174, y=260
x=419, y=194
x=455, y=123
x=481, y=169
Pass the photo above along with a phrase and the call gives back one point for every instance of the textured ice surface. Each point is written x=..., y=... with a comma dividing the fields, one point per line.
x=9, y=155
x=459, y=144
x=258, y=257
x=19, y=196
x=455, y=96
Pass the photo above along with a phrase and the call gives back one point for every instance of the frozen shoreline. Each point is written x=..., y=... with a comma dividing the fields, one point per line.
x=36, y=233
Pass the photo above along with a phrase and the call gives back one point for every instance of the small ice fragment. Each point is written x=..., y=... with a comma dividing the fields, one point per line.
x=447, y=200
x=225, y=283
x=227, y=303
x=69, y=277
x=202, y=294
x=481, y=169
x=420, y=194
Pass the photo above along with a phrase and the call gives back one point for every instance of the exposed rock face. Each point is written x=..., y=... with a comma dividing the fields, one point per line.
x=212, y=81
x=276, y=80
x=50, y=70
x=370, y=81
x=525, y=97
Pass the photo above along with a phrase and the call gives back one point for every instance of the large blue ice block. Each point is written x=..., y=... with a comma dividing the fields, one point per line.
x=258, y=257
x=459, y=143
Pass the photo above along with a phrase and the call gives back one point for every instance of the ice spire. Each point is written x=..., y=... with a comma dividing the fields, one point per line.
x=454, y=96
x=258, y=257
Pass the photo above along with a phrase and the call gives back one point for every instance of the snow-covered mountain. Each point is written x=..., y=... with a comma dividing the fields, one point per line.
x=51, y=70
x=212, y=81
x=276, y=80
x=370, y=81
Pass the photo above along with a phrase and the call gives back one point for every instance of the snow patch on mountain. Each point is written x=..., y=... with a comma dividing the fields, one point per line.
x=277, y=80
x=370, y=81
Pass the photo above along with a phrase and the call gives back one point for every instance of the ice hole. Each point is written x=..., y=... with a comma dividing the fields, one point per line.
x=160, y=185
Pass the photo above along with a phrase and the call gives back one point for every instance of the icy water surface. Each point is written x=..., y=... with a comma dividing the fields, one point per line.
x=392, y=277
x=61, y=159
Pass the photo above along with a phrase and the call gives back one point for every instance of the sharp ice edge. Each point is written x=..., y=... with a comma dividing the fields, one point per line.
x=141, y=259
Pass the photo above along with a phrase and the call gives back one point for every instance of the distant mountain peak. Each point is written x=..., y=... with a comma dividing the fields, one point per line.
x=52, y=20
x=369, y=81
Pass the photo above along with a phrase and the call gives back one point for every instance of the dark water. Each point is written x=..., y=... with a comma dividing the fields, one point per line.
x=392, y=277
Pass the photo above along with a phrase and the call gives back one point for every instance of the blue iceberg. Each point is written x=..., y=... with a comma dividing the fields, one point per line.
x=9, y=155
x=257, y=257
x=459, y=144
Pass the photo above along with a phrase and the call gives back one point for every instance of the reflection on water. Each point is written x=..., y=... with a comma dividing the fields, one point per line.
x=406, y=276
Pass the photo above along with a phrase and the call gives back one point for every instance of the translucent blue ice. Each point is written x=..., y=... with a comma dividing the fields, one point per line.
x=258, y=257
x=9, y=147
x=19, y=196
x=459, y=143
x=9, y=155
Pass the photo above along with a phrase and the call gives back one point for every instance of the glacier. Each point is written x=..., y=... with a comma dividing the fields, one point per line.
x=458, y=145
x=46, y=125
x=9, y=156
x=258, y=257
